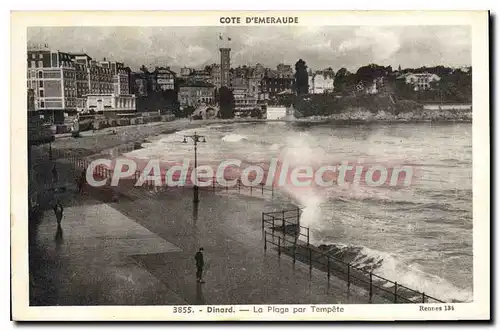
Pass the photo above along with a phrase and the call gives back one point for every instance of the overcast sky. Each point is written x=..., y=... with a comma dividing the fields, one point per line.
x=320, y=47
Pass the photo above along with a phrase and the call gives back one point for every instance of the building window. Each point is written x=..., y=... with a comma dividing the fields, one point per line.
x=40, y=64
x=33, y=64
x=41, y=94
x=33, y=56
x=42, y=104
x=40, y=56
x=40, y=74
x=40, y=84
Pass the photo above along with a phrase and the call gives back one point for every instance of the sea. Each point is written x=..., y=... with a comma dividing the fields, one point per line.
x=419, y=235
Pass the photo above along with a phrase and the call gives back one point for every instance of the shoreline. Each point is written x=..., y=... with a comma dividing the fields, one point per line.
x=104, y=142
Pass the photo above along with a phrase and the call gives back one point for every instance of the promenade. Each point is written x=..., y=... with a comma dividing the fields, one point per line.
x=138, y=249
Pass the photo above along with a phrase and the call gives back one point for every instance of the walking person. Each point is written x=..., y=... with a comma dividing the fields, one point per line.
x=54, y=174
x=58, y=210
x=80, y=181
x=199, y=266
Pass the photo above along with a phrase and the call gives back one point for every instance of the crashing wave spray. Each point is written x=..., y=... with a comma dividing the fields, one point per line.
x=299, y=152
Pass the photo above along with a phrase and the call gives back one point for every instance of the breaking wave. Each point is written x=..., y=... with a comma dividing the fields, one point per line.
x=394, y=268
x=233, y=137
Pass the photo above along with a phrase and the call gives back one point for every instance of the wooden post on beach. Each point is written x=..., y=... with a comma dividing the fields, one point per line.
x=307, y=236
x=262, y=221
x=283, y=220
x=423, y=297
x=262, y=186
x=396, y=292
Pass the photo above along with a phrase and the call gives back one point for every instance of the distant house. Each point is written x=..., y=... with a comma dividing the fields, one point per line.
x=421, y=81
x=321, y=82
x=165, y=78
x=194, y=93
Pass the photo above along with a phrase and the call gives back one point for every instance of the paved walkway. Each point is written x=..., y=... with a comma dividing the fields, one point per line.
x=140, y=250
x=88, y=260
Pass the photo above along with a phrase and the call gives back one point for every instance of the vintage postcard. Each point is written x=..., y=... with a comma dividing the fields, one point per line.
x=225, y=166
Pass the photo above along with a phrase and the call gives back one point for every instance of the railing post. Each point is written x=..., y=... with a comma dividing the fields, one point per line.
x=265, y=240
x=250, y=189
x=272, y=190
x=328, y=265
x=423, y=297
x=396, y=292
x=262, y=221
x=371, y=289
x=273, y=225
x=294, y=253
x=283, y=220
x=310, y=260
x=279, y=246
x=262, y=186
x=307, y=236
x=239, y=186
x=213, y=184
x=348, y=275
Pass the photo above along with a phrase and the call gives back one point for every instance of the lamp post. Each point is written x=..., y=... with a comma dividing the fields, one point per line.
x=196, y=139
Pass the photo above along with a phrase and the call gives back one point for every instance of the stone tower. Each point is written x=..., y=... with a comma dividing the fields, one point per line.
x=225, y=65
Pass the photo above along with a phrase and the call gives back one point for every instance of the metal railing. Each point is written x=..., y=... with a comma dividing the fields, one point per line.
x=287, y=243
x=284, y=221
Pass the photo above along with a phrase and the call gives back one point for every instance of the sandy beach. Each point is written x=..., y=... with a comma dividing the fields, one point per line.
x=93, y=142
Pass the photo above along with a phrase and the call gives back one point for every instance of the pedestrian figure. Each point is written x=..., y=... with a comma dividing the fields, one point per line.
x=199, y=266
x=81, y=181
x=54, y=173
x=58, y=210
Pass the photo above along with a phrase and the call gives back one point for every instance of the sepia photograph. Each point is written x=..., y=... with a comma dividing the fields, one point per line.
x=262, y=165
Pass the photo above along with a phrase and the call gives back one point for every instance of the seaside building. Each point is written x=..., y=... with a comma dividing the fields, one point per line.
x=321, y=82
x=111, y=104
x=200, y=76
x=185, y=72
x=52, y=77
x=271, y=85
x=165, y=79
x=121, y=82
x=244, y=100
x=284, y=71
x=100, y=79
x=61, y=81
x=216, y=75
x=420, y=81
x=139, y=85
x=193, y=94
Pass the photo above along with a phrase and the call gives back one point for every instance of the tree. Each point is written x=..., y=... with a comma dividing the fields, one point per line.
x=301, y=78
x=226, y=103
x=367, y=74
x=344, y=81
